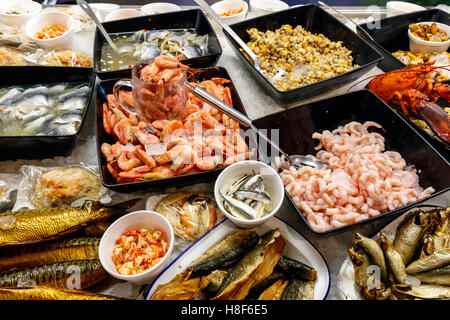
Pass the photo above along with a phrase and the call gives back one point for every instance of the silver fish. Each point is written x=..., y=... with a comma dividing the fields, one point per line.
x=240, y=206
x=253, y=195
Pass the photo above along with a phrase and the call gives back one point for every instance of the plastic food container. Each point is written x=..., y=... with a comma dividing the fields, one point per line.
x=121, y=14
x=226, y=5
x=186, y=19
x=30, y=9
x=418, y=45
x=40, y=147
x=139, y=219
x=394, y=8
x=297, y=125
x=272, y=181
x=46, y=19
x=106, y=87
x=315, y=20
x=159, y=7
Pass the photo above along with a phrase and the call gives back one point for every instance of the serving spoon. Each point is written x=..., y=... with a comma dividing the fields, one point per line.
x=87, y=8
x=297, y=161
x=280, y=72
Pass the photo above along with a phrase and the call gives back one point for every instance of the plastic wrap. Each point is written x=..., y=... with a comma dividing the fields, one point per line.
x=43, y=187
x=62, y=58
x=8, y=190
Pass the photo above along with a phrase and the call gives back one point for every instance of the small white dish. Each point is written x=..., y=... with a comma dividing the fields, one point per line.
x=103, y=9
x=159, y=7
x=297, y=248
x=29, y=8
x=46, y=19
x=272, y=182
x=259, y=7
x=123, y=14
x=138, y=219
x=417, y=45
x=394, y=8
x=223, y=6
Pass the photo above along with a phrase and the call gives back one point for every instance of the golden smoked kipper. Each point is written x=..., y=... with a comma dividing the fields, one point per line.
x=30, y=226
x=261, y=272
x=85, y=248
x=420, y=250
x=49, y=293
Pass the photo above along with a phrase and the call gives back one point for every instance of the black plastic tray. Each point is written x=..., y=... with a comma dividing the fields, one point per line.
x=297, y=125
x=194, y=18
x=105, y=87
x=40, y=147
x=392, y=35
x=316, y=20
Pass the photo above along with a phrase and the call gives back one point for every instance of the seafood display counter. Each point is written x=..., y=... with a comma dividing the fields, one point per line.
x=313, y=239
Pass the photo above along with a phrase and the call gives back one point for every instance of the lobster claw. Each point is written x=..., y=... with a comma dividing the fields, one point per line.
x=436, y=118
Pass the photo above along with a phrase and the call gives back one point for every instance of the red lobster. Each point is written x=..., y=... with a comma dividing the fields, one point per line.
x=416, y=94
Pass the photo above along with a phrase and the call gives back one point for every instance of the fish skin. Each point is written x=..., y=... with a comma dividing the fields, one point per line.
x=225, y=252
x=299, y=290
x=33, y=226
x=56, y=274
x=374, y=251
x=85, y=248
x=253, y=268
x=435, y=260
x=240, y=206
x=275, y=290
x=360, y=262
x=438, y=276
x=409, y=235
x=393, y=259
x=296, y=269
x=424, y=291
x=212, y=288
x=257, y=290
x=49, y=293
x=254, y=195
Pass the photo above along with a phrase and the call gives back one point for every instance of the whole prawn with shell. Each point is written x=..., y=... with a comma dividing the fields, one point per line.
x=198, y=138
x=412, y=90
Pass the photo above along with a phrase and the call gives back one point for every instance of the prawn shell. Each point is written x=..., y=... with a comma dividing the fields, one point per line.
x=49, y=252
x=49, y=293
x=226, y=252
x=254, y=267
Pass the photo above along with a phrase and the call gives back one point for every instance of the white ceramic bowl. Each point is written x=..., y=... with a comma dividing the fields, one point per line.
x=272, y=181
x=123, y=14
x=138, y=219
x=159, y=7
x=259, y=7
x=32, y=8
x=394, y=8
x=103, y=9
x=45, y=19
x=418, y=45
x=223, y=6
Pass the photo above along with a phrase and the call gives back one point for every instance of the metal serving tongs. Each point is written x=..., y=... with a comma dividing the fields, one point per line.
x=86, y=8
x=280, y=72
x=297, y=161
